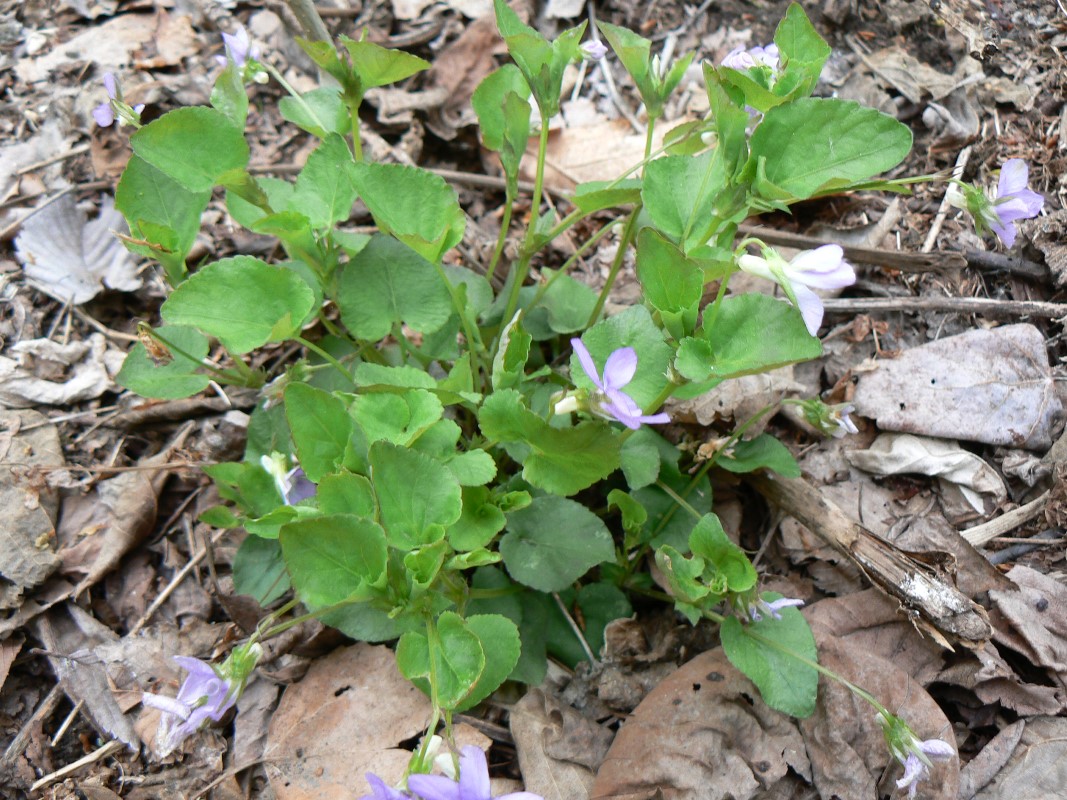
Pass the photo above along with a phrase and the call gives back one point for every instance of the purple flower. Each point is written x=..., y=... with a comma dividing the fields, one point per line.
x=917, y=762
x=204, y=695
x=473, y=782
x=293, y=484
x=239, y=49
x=611, y=401
x=821, y=268
x=379, y=790
x=593, y=50
x=104, y=114
x=773, y=608
x=845, y=425
x=741, y=59
x=1013, y=200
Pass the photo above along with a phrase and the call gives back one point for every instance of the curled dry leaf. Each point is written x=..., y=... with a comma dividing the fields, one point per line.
x=72, y=259
x=45, y=372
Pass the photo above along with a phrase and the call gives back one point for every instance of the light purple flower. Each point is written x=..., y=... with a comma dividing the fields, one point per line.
x=845, y=425
x=821, y=268
x=593, y=50
x=741, y=59
x=104, y=114
x=916, y=764
x=204, y=695
x=611, y=401
x=473, y=782
x=772, y=607
x=239, y=49
x=293, y=485
x=380, y=791
x=1013, y=200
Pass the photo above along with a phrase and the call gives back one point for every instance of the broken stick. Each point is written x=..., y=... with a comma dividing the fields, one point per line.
x=935, y=606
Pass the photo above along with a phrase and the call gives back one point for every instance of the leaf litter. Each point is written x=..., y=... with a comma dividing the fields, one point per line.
x=1004, y=698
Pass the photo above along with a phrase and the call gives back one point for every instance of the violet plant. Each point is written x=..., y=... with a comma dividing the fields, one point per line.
x=417, y=477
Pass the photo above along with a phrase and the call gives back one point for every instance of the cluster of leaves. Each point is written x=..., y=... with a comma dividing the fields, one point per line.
x=453, y=510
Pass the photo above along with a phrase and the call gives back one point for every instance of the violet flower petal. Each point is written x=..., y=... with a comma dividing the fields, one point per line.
x=1014, y=176
x=822, y=268
x=380, y=791
x=473, y=774
x=810, y=306
x=434, y=787
x=586, y=361
x=111, y=85
x=620, y=368
x=104, y=114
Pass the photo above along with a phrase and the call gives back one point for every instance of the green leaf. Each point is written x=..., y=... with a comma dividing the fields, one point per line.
x=594, y=196
x=630, y=328
x=321, y=428
x=388, y=283
x=472, y=468
x=601, y=603
x=416, y=206
x=635, y=53
x=456, y=659
x=814, y=145
x=243, y=301
x=565, y=306
x=499, y=637
x=259, y=570
x=684, y=578
x=417, y=496
x=509, y=362
x=277, y=190
x=541, y=63
x=323, y=112
x=379, y=66
x=673, y=283
x=160, y=211
x=785, y=683
x=396, y=418
x=246, y=484
x=175, y=379
x=762, y=452
x=405, y=377
x=634, y=515
x=727, y=568
x=488, y=103
x=333, y=558
x=369, y=623
x=229, y=96
x=480, y=521
x=346, y=493
x=803, y=54
x=194, y=146
x=324, y=189
x=681, y=193
x=553, y=542
x=639, y=457
x=560, y=460
x=739, y=343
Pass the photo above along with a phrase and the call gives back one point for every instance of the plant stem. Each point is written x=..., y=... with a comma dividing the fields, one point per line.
x=501, y=240
x=521, y=268
x=616, y=265
x=314, y=348
x=274, y=73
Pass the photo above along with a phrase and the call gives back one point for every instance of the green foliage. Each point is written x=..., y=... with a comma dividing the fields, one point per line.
x=194, y=146
x=553, y=542
x=764, y=652
x=465, y=485
x=274, y=303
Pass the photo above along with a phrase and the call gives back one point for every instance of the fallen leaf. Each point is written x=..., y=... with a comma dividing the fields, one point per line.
x=346, y=717
x=82, y=370
x=72, y=259
x=9, y=650
x=981, y=769
x=902, y=453
x=559, y=749
x=992, y=386
x=1033, y=620
x=28, y=535
x=1037, y=769
x=110, y=44
x=255, y=707
x=70, y=634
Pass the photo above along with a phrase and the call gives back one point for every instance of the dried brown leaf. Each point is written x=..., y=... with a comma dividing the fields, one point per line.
x=1037, y=769
x=345, y=718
